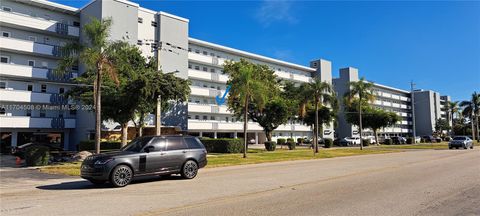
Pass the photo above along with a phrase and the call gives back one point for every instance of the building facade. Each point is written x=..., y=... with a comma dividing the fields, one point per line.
x=33, y=33
x=429, y=107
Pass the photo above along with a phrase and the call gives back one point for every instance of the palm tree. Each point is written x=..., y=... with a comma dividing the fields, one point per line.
x=471, y=109
x=452, y=108
x=364, y=91
x=97, y=54
x=322, y=93
x=246, y=87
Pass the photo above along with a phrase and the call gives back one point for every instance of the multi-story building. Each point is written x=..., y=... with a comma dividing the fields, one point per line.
x=32, y=33
x=429, y=107
x=386, y=98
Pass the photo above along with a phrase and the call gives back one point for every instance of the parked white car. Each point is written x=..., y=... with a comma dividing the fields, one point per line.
x=347, y=141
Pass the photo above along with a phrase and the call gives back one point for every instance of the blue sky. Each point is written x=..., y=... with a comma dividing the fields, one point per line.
x=435, y=44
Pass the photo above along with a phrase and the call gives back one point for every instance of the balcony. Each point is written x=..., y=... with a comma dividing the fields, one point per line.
x=301, y=78
x=24, y=71
x=31, y=97
x=207, y=108
x=194, y=124
x=206, y=92
x=34, y=122
x=36, y=23
x=26, y=46
x=208, y=76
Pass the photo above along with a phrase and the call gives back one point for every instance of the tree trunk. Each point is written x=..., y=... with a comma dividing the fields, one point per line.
x=98, y=109
x=316, y=126
x=245, y=122
x=140, y=130
x=477, y=134
x=360, y=122
x=473, y=128
x=124, y=133
x=269, y=135
x=376, y=136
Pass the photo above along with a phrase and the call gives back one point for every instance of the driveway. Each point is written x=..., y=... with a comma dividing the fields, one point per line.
x=428, y=182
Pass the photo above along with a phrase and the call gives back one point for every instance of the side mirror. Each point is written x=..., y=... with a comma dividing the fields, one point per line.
x=148, y=149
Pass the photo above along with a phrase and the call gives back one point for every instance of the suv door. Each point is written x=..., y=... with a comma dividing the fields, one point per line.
x=176, y=152
x=155, y=161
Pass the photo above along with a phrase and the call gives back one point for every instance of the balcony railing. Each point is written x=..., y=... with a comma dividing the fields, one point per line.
x=36, y=122
x=18, y=19
x=16, y=70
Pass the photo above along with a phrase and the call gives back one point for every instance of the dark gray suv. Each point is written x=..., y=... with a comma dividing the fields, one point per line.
x=149, y=155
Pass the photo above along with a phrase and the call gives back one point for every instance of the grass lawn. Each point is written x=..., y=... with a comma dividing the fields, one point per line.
x=254, y=156
x=442, y=145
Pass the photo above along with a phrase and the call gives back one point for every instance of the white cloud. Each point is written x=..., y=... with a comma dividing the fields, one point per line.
x=272, y=11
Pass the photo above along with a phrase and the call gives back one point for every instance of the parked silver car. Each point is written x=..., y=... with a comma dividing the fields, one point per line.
x=149, y=155
x=460, y=142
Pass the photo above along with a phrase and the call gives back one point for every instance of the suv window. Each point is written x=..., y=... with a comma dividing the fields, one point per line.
x=175, y=143
x=193, y=143
x=137, y=144
x=158, y=144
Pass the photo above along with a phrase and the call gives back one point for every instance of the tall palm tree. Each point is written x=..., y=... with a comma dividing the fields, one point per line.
x=97, y=54
x=471, y=108
x=246, y=87
x=364, y=91
x=452, y=108
x=318, y=92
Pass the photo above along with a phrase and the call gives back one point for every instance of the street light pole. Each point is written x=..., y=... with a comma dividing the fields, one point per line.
x=158, y=123
x=412, y=86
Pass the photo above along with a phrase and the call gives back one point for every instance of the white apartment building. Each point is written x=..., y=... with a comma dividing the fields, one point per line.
x=31, y=34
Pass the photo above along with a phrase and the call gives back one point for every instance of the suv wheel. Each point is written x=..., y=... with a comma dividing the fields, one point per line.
x=121, y=176
x=189, y=169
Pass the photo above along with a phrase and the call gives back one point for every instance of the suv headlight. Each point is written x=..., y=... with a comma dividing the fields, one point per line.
x=103, y=161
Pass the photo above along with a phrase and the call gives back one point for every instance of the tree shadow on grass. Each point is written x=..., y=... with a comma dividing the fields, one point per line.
x=86, y=185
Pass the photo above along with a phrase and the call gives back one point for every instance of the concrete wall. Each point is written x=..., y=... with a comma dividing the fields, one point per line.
x=342, y=86
x=424, y=112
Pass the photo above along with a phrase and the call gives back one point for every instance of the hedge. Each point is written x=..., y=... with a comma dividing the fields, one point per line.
x=409, y=140
x=281, y=141
x=300, y=140
x=223, y=145
x=388, y=142
x=37, y=156
x=290, y=140
x=291, y=145
x=328, y=142
x=270, y=145
x=89, y=145
x=366, y=142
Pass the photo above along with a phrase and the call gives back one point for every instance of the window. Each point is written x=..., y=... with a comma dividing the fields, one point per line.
x=189, y=49
x=205, y=85
x=205, y=53
x=2, y=111
x=43, y=88
x=205, y=69
x=212, y=117
x=3, y=85
x=189, y=117
x=31, y=63
x=28, y=112
x=197, y=67
x=154, y=24
x=75, y=23
x=212, y=54
x=29, y=87
x=193, y=143
x=197, y=117
x=175, y=143
x=226, y=119
x=139, y=42
x=7, y=9
x=205, y=117
x=61, y=90
x=212, y=70
x=218, y=87
x=158, y=144
x=5, y=59
x=197, y=51
x=32, y=38
x=42, y=113
x=5, y=34
x=140, y=20
x=190, y=66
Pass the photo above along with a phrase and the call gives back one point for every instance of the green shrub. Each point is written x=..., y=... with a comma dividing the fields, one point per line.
x=89, y=145
x=422, y=140
x=328, y=142
x=409, y=140
x=223, y=145
x=270, y=145
x=336, y=142
x=388, y=142
x=291, y=145
x=37, y=156
x=281, y=141
x=366, y=142
x=306, y=140
x=290, y=140
x=447, y=138
x=300, y=140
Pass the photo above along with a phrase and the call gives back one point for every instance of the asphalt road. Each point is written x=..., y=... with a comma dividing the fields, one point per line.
x=425, y=182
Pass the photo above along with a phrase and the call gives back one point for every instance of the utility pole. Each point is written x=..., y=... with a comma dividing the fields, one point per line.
x=412, y=87
x=158, y=123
